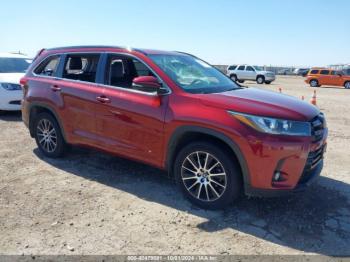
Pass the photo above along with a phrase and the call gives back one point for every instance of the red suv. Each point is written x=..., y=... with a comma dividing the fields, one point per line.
x=174, y=111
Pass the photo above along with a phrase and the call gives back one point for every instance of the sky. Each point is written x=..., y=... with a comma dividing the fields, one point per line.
x=268, y=32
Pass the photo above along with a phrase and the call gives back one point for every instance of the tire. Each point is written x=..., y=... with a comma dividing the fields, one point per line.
x=314, y=83
x=347, y=85
x=209, y=192
x=233, y=78
x=48, y=136
x=260, y=79
x=241, y=81
x=267, y=82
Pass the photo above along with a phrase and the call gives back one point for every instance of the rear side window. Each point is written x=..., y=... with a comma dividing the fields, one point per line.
x=314, y=72
x=82, y=67
x=324, y=72
x=233, y=67
x=49, y=66
x=241, y=67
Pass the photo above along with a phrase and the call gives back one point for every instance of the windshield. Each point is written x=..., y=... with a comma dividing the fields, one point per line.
x=258, y=68
x=193, y=75
x=14, y=65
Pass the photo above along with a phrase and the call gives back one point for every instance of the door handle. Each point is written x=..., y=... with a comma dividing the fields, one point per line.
x=103, y=99
x=55, y=88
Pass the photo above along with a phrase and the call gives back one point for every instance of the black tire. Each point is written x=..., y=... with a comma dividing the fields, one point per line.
x=233, y=78
x=56, y=136
x=267, y=82
x=260, y=79
x=232, y=179
x=347, y=85
x=314, y=83
x=241, y=81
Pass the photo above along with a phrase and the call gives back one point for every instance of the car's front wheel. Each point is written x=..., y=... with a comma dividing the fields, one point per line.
x=347, y=85
x=48, y=136
x=260, y=80
x=207, y=175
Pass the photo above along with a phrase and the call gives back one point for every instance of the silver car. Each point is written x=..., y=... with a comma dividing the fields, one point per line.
x=241, y=73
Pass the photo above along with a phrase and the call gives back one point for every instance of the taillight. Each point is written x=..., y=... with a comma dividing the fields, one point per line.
x=23, y=81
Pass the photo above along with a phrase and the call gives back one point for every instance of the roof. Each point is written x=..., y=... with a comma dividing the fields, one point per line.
x=12, y=55
x=141, y=50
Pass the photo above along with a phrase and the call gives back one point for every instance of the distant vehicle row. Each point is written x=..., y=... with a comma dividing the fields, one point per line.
x=242, y=73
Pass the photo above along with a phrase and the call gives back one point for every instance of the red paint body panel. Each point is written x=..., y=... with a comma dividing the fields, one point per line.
x=140, y=126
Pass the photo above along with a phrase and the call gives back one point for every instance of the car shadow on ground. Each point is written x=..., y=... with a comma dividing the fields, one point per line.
x=317, y=220
x=12, y=116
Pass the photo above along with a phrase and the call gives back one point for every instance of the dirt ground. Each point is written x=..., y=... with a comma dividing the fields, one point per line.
x=93, y=203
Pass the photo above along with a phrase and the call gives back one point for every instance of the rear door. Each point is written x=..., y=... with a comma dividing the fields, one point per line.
x=77, y=93
x=250, y=73
x=130, y=122
x=325, y=77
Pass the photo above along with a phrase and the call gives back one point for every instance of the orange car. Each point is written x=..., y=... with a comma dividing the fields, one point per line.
x=323, y=76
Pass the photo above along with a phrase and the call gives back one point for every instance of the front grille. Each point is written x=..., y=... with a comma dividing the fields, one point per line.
x=318, y=124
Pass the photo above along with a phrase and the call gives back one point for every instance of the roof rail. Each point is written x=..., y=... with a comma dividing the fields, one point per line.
x=84, y=46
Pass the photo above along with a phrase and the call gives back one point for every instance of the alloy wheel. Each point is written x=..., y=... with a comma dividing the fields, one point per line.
x=204, y=176
x=313, y=83
x=47, y=135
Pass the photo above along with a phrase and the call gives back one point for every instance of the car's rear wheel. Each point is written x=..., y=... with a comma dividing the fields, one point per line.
x=241, y=81
x=233, y=78
x=314, y=83
x=207, y=175
x=48, y=136
x=260, y=80
x=347, y=85
x=268, y=82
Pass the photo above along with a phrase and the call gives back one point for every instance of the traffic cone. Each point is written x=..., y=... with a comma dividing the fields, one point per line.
x=280, y=89
x=313, y=98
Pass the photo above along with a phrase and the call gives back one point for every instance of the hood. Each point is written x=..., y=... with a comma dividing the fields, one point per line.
x=262, y=103
x=265, y=72
x=12, y=78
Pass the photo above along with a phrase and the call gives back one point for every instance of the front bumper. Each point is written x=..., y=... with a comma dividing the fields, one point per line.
x=307, y=179
x=270, y=78
x=10, y=100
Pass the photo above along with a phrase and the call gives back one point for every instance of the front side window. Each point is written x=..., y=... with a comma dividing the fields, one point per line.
x=314, y=72
x=249, y=68
x=121, y=71
x=324, y=72
x=241, y=68
x=192, y=74
x=82, y=67
x=49, y=66
x=233, y=67
x=14, y=65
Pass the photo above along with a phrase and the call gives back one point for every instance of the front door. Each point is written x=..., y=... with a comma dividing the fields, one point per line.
x=130, y=122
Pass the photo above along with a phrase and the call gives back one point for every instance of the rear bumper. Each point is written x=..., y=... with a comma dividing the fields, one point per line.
x=309, y=177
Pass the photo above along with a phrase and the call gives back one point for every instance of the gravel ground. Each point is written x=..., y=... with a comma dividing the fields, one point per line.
x=93, y=203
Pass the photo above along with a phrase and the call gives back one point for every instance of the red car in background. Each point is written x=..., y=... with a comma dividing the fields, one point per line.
x=176, y=112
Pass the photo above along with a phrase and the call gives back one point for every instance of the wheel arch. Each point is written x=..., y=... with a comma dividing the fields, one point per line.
x=186, y=134
x=37, y=108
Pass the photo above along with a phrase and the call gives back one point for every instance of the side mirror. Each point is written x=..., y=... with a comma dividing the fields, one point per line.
x=146, y=83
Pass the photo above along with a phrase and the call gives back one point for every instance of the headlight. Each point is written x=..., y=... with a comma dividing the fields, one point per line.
x=273, y=125
x=10, y=86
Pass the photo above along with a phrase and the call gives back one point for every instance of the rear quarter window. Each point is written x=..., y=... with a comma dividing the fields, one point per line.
x=49, y=66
